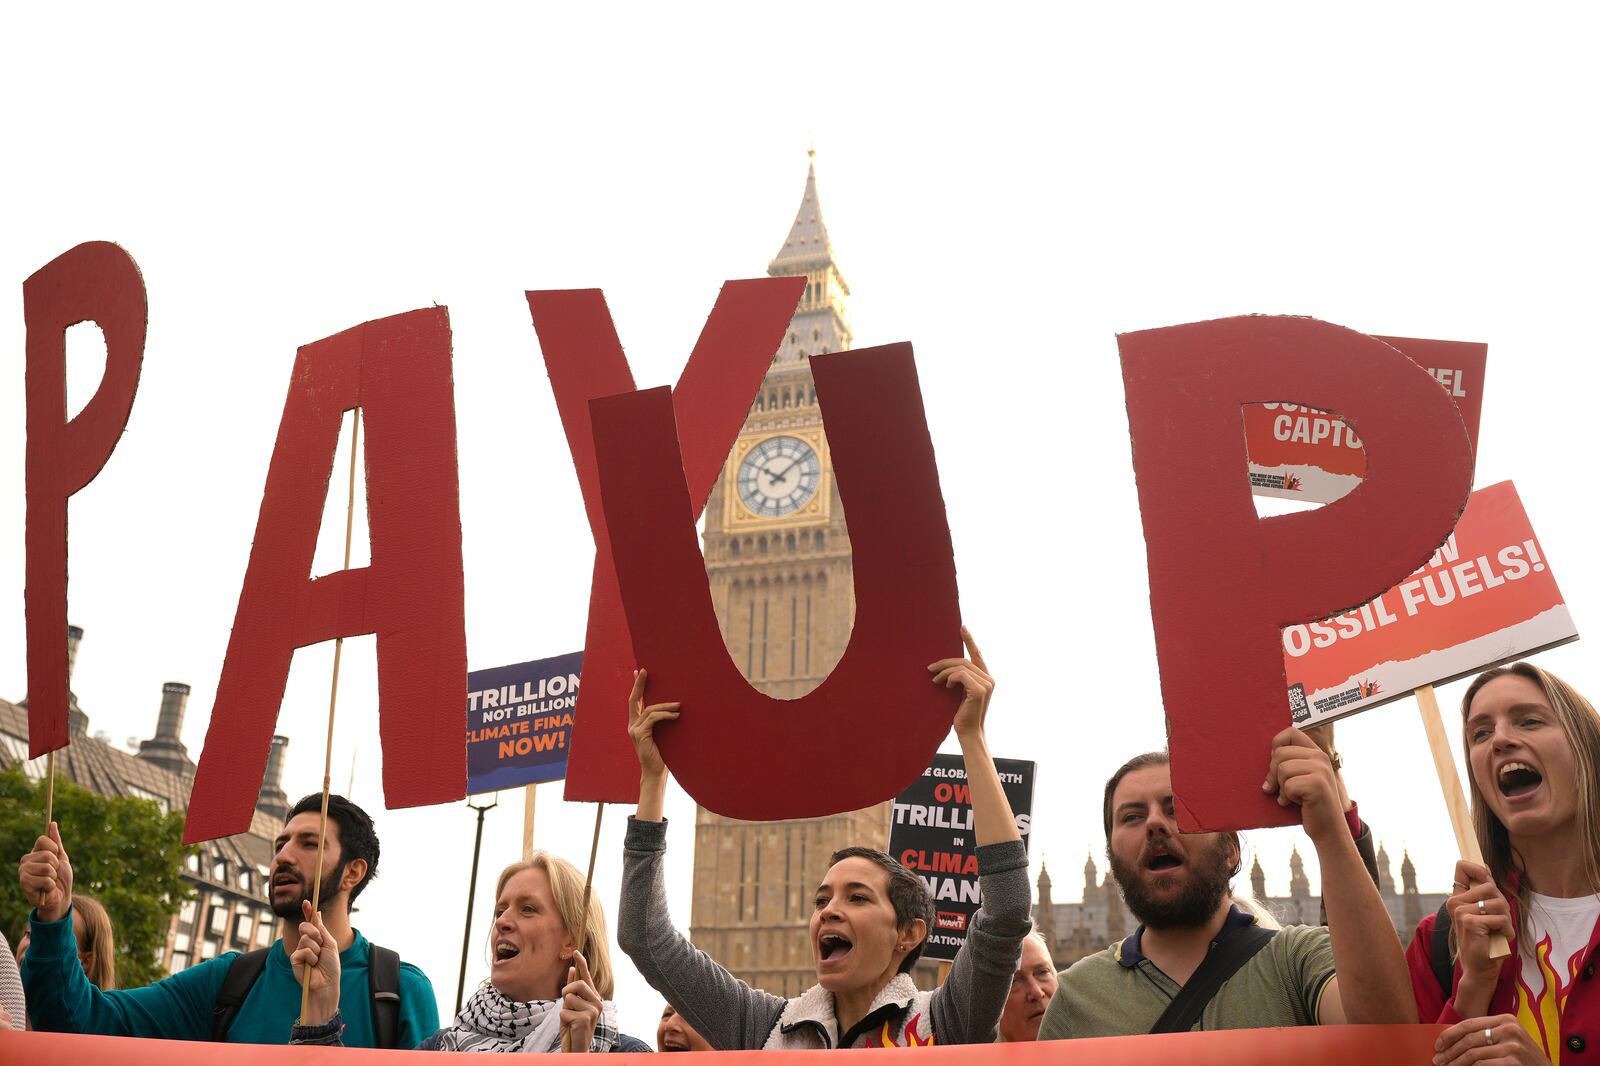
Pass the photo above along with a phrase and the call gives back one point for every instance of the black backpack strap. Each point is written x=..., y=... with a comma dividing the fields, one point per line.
x=1221, y=963
x=383, y=981
x=1444, y=969
x=242, y=974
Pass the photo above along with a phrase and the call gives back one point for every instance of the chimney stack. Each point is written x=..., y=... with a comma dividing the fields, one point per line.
x=77, y=720
x=165, y=749
x=273, y=800
x=74, y=635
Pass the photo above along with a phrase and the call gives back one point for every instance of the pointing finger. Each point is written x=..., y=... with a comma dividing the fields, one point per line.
x=972, y=649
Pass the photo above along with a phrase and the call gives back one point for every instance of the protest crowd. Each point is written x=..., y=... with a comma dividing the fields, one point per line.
x=1204, y=955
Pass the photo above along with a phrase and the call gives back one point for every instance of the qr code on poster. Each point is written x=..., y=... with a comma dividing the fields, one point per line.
x=1297, y=703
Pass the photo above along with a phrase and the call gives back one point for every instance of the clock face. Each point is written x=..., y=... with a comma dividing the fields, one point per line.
x=778, y=476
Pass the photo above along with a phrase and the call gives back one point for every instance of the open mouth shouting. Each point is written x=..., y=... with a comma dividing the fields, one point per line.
x=1518, y=781
x=1160, y=859
x=506, y=949
x=285, y=879
x=833, y=948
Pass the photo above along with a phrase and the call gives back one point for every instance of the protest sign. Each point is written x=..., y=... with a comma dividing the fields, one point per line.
x=1302, y=453
x=396, y=370
x=930, y=833
x=1309, y=1045
x=95, y=282
x=1487, y=596
x=1223, y=581
x=874, y=723
x=519, y=722
x=585, y=361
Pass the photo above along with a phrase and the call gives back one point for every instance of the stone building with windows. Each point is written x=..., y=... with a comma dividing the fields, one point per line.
x=229, y=876
x=1075, y=930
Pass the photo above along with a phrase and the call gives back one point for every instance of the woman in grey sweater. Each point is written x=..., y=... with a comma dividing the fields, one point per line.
x=870, y=919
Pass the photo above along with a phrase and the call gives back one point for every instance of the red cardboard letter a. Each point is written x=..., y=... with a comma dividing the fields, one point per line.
x=1223, y=582
x=397, y=371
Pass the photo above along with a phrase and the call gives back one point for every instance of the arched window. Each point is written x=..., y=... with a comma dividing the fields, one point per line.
x=761, y=546
x=760, y=402
x=819, y=540
x=788, y=542
x=787, y=397
x=733, y=549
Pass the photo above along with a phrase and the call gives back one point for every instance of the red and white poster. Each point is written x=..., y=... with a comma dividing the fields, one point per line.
x=1487, y=596
x=1301, y=453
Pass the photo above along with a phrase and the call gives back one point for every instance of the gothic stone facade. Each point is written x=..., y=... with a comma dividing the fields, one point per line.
x=1075, y=930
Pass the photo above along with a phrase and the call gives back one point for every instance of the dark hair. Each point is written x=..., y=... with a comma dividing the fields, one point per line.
x=907, y=893
x=1138, y=762
x=357, y=838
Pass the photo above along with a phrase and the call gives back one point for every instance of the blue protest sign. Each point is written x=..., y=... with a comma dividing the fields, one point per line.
x=519, y=722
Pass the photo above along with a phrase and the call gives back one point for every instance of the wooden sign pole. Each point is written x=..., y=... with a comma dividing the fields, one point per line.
x=333, y=700
x=528, y=794
x=1454, y=799
x=588, y=890
x=49, y=789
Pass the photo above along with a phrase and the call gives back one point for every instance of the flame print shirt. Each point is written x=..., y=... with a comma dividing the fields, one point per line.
x=1552, y=958
x=1549, y=982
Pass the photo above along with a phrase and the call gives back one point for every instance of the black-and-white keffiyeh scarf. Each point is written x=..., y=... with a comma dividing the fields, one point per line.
x=491, y=1022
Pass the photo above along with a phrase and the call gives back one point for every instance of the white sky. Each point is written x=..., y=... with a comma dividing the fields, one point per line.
x=1006, y=187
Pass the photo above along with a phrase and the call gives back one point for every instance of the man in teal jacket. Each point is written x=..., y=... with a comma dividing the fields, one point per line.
x=180, y=1007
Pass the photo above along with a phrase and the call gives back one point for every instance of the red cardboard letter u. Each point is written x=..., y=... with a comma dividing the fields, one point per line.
x=874, y=723
x=1223, y=582
x=585, y=361
x=95, y=282
x=397, y=371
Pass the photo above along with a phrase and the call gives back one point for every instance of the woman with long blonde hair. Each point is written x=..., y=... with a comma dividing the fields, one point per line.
x=1532, y=746
x=543, y=994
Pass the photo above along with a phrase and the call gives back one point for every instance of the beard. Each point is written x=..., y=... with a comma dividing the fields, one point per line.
x=1209, y=872
x=291, y=909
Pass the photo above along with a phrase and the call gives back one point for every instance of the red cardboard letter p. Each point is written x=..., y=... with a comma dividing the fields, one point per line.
x=95, y=282
x=1223, y=582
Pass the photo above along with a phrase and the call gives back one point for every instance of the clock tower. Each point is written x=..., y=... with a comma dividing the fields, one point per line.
x=778, y=559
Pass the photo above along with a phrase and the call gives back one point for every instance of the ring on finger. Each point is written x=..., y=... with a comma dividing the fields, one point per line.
x=1488, y=1037
x=1459, y=885
x=1482, y=909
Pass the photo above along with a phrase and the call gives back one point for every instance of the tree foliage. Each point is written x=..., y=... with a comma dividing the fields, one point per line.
x=127, y=853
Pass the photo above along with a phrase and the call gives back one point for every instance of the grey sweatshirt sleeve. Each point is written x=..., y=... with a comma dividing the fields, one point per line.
x=966, y=1008
x=11, y=986
x=730, y=1014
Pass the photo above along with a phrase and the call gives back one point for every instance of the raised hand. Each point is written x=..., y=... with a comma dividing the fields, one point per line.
x=1301, y=773
x=977, y=686
x=317, y=960
x=580, y=1007
x=45, y=874
x=642, y=722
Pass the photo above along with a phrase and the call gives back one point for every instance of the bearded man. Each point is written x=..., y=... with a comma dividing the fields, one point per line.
x=1197, y=961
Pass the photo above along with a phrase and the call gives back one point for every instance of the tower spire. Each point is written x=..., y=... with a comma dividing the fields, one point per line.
x=806, y=248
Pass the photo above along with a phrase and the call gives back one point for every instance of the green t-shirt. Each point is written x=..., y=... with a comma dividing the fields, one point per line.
x=61, y=999
x=1119, y=992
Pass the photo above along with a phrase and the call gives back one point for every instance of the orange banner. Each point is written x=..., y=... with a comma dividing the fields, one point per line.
x=1335, y=1045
